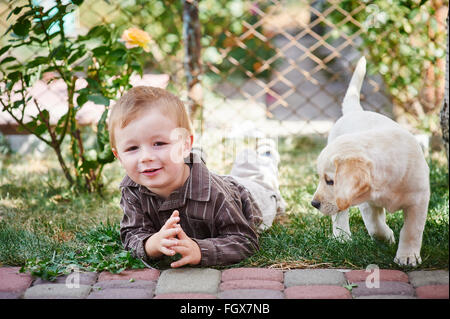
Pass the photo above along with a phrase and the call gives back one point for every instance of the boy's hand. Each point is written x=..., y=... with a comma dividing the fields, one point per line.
x=188, y=249
x=162, y=241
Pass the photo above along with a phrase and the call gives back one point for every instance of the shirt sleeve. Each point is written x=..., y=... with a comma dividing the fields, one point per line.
x=236, y=221
x=135, y=227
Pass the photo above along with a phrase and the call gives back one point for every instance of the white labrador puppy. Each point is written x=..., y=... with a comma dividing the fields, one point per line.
x=372, y=162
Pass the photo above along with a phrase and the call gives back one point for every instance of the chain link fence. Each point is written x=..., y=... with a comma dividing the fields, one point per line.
x=269, y=68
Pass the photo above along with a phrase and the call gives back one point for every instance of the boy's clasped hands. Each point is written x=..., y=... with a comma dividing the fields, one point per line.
x=172, y=239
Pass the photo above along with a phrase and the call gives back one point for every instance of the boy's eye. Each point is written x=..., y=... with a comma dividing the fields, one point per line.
x=159, y=144
x=131, y=148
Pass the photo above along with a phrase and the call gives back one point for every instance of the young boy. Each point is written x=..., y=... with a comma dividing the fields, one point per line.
x=171, y=202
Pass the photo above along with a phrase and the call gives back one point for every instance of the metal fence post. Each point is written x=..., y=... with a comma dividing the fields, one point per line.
x=192, y=60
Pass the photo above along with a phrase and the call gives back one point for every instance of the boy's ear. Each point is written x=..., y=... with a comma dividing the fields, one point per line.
x=115, y=153
x=188, y=145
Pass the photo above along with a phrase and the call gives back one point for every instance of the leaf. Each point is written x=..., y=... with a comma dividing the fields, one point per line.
x=22, y=28
x=81, y=99
x=14, y=76
x=16, y=11
x=118, y=53
x=7, y=59
x=350, y=287
x=59, y=53
x=40, y=129
x=37, y=61
x=105, y=155
x=98, y=99
x=99, y=51
x=4, y=49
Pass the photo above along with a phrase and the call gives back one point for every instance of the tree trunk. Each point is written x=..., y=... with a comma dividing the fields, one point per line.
x=192, y=57
x=444, y=110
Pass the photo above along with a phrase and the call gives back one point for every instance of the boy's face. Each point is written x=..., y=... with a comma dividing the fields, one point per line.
x=151, y=149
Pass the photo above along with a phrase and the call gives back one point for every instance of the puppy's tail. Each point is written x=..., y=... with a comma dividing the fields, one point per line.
x=351, y=101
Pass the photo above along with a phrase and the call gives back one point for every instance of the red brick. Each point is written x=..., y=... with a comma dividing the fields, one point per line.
x=432, y=292
x=13, y=281
x=251, y=284
x=136, y=274
x=185, y=296
x=317, y=292
x=252, y=273
x=385, y=275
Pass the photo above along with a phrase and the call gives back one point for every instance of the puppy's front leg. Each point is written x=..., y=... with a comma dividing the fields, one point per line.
x=341, y=225
x=410, y=242
x=375, y=220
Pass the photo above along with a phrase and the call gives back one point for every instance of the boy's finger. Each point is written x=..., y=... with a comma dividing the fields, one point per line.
x=171, y=232
x=169, y=243
x=182, y=250
x=183, y=261
x=170, y=222
x=166, y=251
x=182, y=234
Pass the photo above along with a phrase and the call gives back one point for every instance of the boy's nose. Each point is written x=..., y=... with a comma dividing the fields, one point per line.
x=147, y=155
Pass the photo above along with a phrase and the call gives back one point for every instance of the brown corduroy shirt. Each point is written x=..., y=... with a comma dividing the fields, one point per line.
x=218, y=213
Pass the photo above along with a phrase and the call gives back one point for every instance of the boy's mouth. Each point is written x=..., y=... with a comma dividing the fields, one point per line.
x=151, y=171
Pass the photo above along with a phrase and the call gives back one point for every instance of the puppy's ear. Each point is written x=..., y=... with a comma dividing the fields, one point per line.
x=352, y=179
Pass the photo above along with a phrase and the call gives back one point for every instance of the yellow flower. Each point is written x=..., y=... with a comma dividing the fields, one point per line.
x=135, y=37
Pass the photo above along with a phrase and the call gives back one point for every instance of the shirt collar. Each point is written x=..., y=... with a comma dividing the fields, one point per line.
x=199, y=188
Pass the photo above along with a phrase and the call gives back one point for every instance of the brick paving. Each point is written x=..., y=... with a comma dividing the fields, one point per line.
x=237, y=283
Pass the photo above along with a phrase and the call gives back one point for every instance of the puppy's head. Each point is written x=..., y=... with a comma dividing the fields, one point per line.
x=344, y=181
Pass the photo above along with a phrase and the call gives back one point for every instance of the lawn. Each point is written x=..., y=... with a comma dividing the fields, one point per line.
x=46, y=227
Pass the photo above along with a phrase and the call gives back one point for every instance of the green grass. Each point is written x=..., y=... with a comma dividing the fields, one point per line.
x=46, y=227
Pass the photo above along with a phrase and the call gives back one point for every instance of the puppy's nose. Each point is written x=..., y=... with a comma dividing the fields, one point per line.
x=315, y=204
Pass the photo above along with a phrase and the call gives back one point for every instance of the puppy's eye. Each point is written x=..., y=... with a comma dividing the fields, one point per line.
x=329, y=181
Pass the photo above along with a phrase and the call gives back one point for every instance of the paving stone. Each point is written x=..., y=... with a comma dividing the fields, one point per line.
x=252, y=273
x=432, y=292
x=11, y=295
x=136, y=274
x=385, y=288
x=317, y=292
x=426, y=278
x=386, y=297
x=188, y=280
x=13, y=281
x=251, y=294
x=121, y=293
x=384, y=275
x=251, y=284
x=85, y=278
x=56, y=291
x=303, y=277
x=185, y=296
x=138, y=284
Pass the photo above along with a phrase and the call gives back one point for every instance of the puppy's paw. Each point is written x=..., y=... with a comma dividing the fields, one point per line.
x=386, y=235
x=390, y=238
x=412, y=259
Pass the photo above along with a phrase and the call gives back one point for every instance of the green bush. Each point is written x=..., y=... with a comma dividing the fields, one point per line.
x=98, y=57
x=397, y=42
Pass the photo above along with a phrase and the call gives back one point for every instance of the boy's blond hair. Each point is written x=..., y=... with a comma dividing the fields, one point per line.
x=142, y=98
